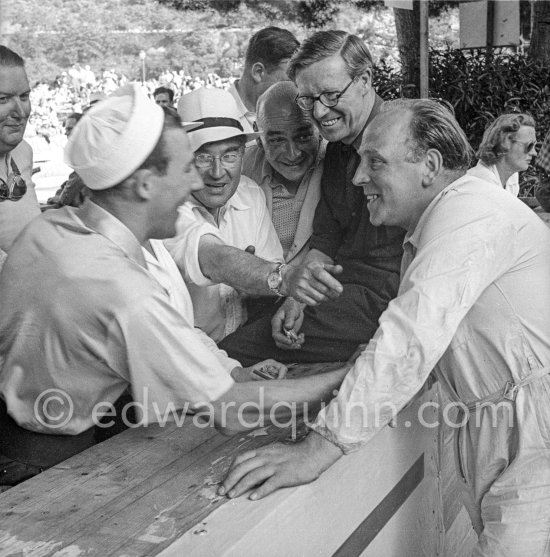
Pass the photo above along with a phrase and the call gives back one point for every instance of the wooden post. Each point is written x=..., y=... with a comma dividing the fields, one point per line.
x=490, y=28
x=424, y=52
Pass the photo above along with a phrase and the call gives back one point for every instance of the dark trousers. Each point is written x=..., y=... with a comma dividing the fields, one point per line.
x=332, y=330
x=24, y=453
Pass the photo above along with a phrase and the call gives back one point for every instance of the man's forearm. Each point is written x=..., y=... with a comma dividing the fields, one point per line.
x=237, y=268
x=312, y=282
x=247, y=404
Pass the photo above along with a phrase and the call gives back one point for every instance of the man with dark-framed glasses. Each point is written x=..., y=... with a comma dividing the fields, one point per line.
x=333, y=73
x=18, y=202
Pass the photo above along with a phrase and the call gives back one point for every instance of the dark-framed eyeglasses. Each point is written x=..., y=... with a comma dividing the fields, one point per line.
x=328, y=99
x=227, y=160
x=528, y=146
x=15, y=187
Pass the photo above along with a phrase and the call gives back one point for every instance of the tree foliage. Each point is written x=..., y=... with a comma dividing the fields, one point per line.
x=312, y=14
x=480, y=90
x=539, y=48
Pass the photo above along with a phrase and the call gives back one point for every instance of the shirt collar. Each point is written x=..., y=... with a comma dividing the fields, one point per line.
x=106, y=224
x=236, y=201
x=414, y=237
x=373, y=112
x=235, y=93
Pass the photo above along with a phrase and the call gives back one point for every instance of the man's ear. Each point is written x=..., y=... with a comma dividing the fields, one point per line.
x=366, y=78
x=433, y=165
x=258, y=72
x=144, y=183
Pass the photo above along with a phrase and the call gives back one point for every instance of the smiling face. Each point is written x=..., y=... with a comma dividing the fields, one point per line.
x=15, y=106
x=175, y=186
x=345, y=121
x=289, y=139
x=393, y=184
x=521, y=149
x=220, y=181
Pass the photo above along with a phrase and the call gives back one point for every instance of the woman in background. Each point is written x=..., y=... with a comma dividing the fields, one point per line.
x=507, y=147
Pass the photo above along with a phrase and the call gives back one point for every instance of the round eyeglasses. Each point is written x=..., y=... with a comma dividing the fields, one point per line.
x=328, y=99
x=227, y=160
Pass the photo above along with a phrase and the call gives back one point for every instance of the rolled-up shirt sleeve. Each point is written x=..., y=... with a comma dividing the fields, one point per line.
x=184, y=247
x=456, y=259
x=169, y=366
x=229, y=364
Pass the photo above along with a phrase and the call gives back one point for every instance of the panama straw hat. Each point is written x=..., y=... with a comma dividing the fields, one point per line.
x=218, y=113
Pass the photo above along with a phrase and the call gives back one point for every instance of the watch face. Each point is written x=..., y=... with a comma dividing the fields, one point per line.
x=274, y=280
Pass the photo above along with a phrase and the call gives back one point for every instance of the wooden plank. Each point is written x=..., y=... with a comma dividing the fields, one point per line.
x=424, y=51
x=318, y=518
x=57, y=507
x=149, y=489
x=148, y=517
x=365, y=533
x=54, y=506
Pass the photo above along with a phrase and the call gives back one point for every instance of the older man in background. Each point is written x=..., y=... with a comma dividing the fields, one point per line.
x=266, y=61
x=18, y=202
x=287, y=163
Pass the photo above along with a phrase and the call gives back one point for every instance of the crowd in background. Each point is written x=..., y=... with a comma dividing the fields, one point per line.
x=75, y=89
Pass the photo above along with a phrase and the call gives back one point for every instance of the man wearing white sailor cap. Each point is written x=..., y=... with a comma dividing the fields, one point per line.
x=84, y=319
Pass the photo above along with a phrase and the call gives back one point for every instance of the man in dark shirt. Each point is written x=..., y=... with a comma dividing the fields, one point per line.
x=333, y=73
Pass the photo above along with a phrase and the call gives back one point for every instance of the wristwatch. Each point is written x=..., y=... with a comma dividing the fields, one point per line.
x=275, y=279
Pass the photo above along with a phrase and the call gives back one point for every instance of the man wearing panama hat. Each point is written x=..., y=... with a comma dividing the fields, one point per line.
x=232, y=203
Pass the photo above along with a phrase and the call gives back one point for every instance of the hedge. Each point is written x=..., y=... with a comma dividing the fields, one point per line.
x=481, y=88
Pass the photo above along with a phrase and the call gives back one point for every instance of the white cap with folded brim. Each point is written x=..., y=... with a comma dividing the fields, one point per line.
x=115, y=137
x=217, y=114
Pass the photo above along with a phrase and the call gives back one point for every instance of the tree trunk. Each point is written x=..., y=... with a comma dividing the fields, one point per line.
x=407, y=26
x=539, y=49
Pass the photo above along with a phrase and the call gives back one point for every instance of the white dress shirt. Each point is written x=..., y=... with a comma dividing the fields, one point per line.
x=164, y=269
x=247, y=117
x=490, y=174
x=243, y=221
x=81, y=313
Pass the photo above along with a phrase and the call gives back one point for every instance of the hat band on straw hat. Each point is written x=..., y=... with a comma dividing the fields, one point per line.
x=217, y=122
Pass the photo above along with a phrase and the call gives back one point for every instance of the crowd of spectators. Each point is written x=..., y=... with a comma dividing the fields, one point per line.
x=75, y=89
